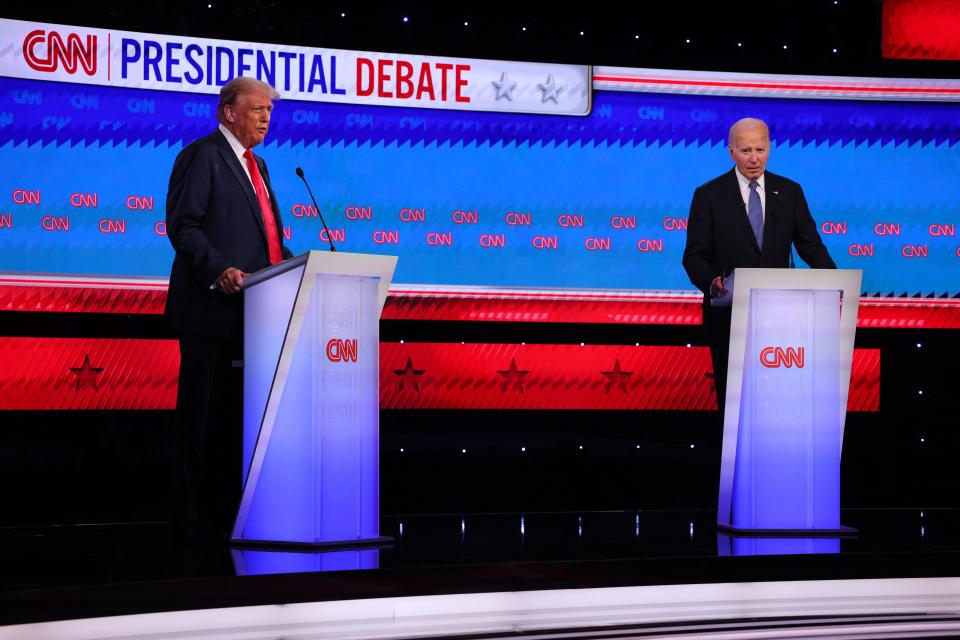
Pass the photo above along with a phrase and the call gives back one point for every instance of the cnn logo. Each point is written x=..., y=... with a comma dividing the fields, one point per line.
x=776, y=357
x=47, y=51
x=339, y=350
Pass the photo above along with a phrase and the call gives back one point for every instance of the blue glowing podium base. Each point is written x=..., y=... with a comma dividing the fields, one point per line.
x=791, y=351
x=311, y=406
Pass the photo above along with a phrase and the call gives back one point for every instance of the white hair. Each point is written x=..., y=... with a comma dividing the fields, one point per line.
x=747, y=123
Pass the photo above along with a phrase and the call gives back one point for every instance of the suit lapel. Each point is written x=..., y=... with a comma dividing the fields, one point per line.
x=226, y=152
x=771, y=214
x=732, y=188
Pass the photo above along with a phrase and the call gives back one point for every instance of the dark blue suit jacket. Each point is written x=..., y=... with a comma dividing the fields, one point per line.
x=719, y=237
x=213, y=222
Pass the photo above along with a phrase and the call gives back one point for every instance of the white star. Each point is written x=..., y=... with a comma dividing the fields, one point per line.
x=551, y=90
x=504, y=87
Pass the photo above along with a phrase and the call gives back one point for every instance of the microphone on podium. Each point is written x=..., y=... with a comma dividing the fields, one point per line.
x=319, y=213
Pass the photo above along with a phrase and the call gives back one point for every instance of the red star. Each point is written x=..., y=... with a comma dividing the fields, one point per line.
x=86, y=374
x=409, y=374
x=512, y=377
x=617, y=377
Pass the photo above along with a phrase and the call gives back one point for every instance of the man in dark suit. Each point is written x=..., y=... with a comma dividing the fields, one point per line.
x=224, y=223
x=747, y=217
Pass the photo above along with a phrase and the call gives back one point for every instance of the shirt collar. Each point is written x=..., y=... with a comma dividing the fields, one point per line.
x=235, y=144
x=745, y=182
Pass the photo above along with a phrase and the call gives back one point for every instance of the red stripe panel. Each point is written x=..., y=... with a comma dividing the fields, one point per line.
x=593, y=377
x=865, y=381
x=921, y=29
x=782, y=86
x=88, y=373
x=81, y=299
x=874, y=313
x=114, y=374
x=683, y=311
x=903, y=313
x=652, y=309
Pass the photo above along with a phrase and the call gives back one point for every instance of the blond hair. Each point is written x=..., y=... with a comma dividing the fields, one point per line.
x=230, y=93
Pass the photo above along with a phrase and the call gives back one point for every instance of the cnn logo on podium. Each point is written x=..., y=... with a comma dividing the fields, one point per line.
x=776, y=357
x=340, y=350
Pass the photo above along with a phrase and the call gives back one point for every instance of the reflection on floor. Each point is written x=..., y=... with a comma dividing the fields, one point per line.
x=102, y=570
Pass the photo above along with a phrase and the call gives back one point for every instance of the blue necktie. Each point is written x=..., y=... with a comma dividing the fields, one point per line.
x=755, y=214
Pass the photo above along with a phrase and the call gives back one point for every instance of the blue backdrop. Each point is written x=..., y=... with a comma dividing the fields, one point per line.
x=882, y=179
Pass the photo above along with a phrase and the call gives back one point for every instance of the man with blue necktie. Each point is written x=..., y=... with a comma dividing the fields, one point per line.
x=747, y=217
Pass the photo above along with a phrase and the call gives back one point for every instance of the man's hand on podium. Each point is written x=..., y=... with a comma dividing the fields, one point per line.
x=231, y=280
x=717, y=288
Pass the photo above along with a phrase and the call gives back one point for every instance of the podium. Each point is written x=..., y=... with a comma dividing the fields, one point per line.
x=791, y=349
x=311, y=406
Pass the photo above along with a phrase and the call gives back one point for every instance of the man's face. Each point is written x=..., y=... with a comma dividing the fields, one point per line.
x=750, y=150
x=249, y=118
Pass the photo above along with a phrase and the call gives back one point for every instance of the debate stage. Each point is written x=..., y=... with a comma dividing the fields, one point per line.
x=553, y=521
x=560, y=521
x=649, y=573
x=531, y=432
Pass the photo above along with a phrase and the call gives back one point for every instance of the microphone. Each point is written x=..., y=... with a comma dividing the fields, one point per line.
x=320, y=213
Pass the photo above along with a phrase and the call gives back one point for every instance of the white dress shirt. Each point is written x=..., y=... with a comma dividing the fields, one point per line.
x=238, y=149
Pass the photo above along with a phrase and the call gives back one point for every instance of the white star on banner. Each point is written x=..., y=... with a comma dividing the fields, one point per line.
x=504, y=87
x=551, y=90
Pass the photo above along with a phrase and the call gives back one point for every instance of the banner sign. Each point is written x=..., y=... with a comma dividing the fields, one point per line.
x=130, y=59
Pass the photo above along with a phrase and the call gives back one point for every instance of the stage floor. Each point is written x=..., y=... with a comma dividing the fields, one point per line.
x=59, y=573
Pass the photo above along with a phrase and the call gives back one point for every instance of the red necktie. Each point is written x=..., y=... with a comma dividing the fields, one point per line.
x=269, y=222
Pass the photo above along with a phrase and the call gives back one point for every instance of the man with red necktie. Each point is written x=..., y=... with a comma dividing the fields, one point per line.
x=224, y=223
